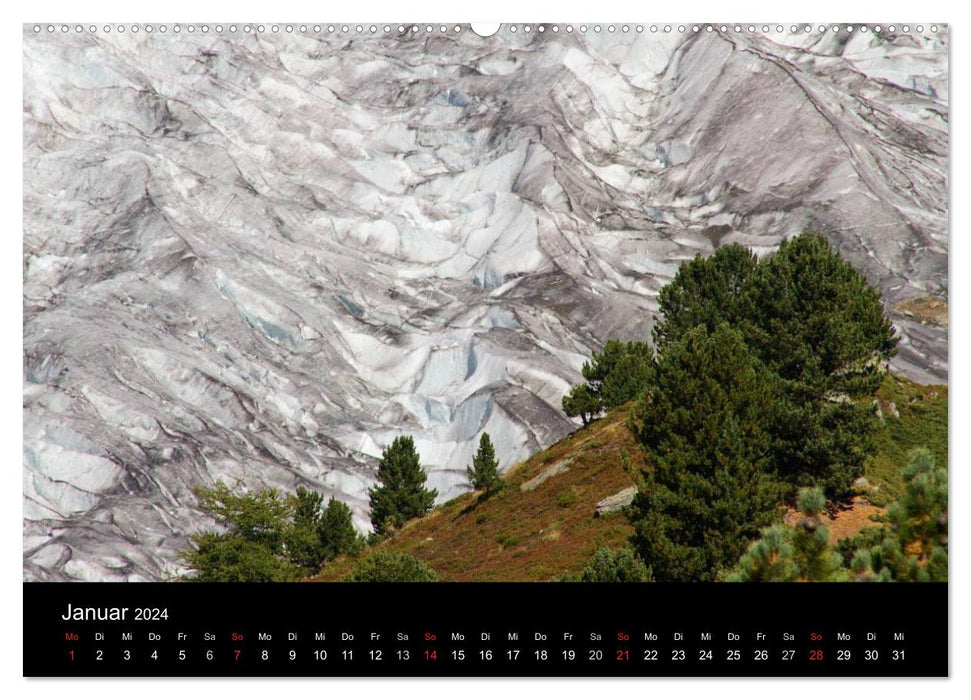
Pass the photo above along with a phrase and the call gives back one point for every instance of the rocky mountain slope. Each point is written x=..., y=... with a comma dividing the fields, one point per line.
x=562, y=504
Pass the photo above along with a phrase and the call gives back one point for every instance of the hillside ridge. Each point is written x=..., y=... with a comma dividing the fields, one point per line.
x=544, y=524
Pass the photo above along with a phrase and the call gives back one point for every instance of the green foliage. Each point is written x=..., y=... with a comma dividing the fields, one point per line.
x=335, y=531
x=618, y=374
x=813, y=322
x=484, y=472
x=306, y=506
x=268, y=537
x=820, y=442
x=814, y=559
x=816, y=321
x=703, y=426
x=922, y=422
x=402, y=494
x=252, y=547
x=582, y=402
x=915, y=544
x=705, y=292
x=385, y=567
x=912, y=546
x=869, y=536
x=317, y=534
x=567, y=497
x=770, y=558
x=256, y=517
x=301, y=540
x=508, y=539
x=234, y=559
x=798, y=553
x=615, y=566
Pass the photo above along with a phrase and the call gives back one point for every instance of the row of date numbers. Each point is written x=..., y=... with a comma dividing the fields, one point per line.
x=513, y=655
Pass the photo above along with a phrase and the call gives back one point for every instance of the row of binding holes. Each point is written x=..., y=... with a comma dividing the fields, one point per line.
x=513, y=28
x=750, y=29
x=246, y=28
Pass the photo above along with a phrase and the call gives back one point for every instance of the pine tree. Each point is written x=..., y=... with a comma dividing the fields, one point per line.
x=769, y=558
x=618, y=374
x=252, y=545
x=582, y=402
x=704, y=292
x=915, y=545
x=257, y=517
x=812, y=555
x=484, y=472
x=817, y=323
x=301, y=541
x=225, y=558
x=798, y=553
x=702, y=426
x=810, y=318
x=402, y=494
x=306, y=507
x=912, y=546
x=335, y=531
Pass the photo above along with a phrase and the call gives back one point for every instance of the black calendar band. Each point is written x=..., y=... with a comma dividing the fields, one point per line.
x=481, y=629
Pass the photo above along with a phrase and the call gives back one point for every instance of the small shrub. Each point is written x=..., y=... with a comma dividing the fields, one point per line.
x=620, y=566
x=507, y=539
x=385, y=567
x=566, y=498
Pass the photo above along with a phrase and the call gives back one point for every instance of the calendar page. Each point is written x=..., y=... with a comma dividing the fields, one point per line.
x=564, y=349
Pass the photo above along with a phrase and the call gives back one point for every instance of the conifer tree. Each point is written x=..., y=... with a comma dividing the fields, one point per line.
x=401, y=495
x=335, y=531
x=704, y=292
x=912, y=545
x=484, y=472
x=224, y=558
x=798, y=553
x=817, y=323
x=257, y=517
x=812, y=554
x=301, y=540
x=582, y=402
x=614, y=376
x=769, y=558
x=619, y=373
x=915, y=545
x=252, y=545
x=268, y=537
x=702, y=426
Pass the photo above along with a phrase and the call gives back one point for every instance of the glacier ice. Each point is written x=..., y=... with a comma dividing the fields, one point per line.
x=262, y=257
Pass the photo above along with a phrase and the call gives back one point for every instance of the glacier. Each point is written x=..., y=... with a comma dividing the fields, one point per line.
x=259, y=257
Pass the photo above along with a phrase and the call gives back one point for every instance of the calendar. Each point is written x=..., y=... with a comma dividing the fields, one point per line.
x=465, y=350
x=743, y=630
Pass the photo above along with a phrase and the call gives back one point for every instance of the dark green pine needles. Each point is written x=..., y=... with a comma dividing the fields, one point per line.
x=484, y=472
x=401, y=495
x=702, y=425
